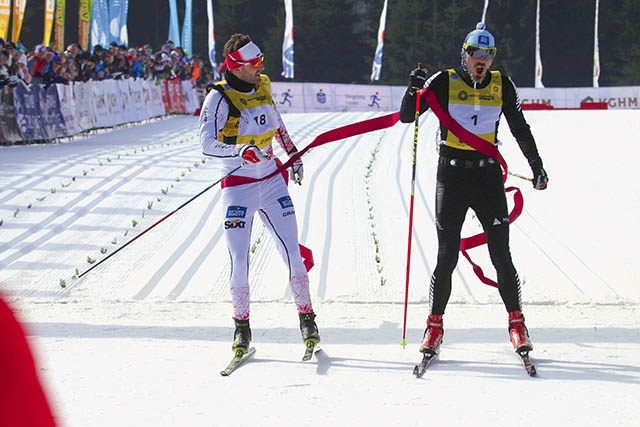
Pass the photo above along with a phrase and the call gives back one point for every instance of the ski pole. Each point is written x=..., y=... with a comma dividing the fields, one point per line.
x=158, y=222
x=517, y=175
x=413, y=186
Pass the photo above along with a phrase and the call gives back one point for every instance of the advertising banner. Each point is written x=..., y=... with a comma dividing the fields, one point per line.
x=50, y=113
x=318, y=97
x=362, y=98
x=9, y=131
x=288, y=97
x=5, y=17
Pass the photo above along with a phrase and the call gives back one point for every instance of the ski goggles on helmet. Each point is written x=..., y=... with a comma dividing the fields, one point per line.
x=249, y=54
x=484, y=53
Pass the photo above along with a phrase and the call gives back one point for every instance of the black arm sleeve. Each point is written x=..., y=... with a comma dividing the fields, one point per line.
x=518, y=124
x=439, y=83
x=408, y=107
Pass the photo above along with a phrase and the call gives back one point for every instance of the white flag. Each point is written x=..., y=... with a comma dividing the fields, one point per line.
x=187, y=27
x=484, y=11
x=287, y=44
x=174, y=27
x=212, y=41
x=596, y=51
x=538, y=70
x=376, y=69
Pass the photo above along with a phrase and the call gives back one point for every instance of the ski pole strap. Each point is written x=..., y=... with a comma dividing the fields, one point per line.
x=488, y=149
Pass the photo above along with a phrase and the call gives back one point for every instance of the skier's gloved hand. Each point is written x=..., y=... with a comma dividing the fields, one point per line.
x=296, y=172
x=417, y=79
x=251, y=154
x=540, y=177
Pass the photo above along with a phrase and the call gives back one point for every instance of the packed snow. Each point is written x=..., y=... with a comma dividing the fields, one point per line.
x=140, y=339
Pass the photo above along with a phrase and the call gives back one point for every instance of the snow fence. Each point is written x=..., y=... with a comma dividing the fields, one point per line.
x=38, y=113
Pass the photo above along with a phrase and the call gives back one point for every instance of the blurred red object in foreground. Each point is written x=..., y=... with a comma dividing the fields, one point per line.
x=23, y=402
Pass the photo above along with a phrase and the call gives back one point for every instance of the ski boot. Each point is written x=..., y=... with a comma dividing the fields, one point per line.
x=242, y=336
x=432, y=335
x=518, y=332
x=308, y=328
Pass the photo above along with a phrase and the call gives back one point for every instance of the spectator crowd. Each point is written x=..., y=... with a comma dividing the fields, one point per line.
x=45, y=66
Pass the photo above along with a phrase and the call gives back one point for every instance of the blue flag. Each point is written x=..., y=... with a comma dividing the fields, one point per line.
x=99, y=23
x=117, y=19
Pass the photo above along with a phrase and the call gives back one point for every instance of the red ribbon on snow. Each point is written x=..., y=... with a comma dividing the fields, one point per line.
x=386, y=121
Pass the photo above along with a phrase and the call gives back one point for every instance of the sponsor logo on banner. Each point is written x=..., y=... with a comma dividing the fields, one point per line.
x=375, y=98
x=614, y=102
x=286, y=98
x=362, y=98
x=321, y=97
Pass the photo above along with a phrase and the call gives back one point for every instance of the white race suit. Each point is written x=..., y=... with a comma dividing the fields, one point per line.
x=227, y=122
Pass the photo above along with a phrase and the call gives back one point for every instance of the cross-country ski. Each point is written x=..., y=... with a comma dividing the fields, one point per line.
x=239, y=359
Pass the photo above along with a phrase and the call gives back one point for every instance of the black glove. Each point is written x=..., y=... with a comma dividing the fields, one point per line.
x=417, y=79
x=540, y=177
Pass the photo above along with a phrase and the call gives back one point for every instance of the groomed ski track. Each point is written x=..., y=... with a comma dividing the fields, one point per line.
x=141, y=339
x=355, y=196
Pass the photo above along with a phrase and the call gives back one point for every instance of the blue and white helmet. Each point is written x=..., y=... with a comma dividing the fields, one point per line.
x=480, y=38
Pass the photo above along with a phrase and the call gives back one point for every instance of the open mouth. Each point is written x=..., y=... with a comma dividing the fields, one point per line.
x=479, y=69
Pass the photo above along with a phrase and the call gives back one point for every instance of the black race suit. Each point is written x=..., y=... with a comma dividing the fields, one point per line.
x=471, y=183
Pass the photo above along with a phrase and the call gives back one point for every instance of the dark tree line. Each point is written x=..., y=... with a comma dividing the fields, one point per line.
x=335, y=39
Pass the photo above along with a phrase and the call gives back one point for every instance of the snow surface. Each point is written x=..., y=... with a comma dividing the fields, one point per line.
x=140, y=339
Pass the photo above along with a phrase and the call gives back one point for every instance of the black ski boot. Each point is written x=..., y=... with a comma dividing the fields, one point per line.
x=242, y=336
x=308, y=328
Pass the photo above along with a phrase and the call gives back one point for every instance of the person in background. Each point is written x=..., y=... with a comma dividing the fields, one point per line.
x=137, y=63
x=11, y=61
x=196, y=69
x=98, y=64
x=238, y=122
x=120, y=66
x=74, y=53
x=37, y=63
x=467, y=178
x=23, y=70
x=52, y=73
x=5, y=77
